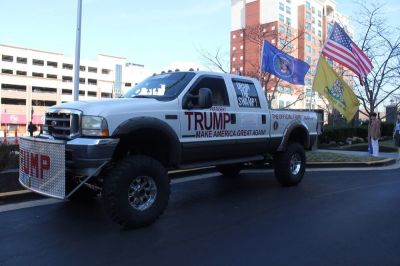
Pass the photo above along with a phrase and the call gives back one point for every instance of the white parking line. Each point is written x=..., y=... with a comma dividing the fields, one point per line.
x=28, y=204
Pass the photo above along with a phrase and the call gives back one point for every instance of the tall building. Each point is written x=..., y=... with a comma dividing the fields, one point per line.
x=32, y=80
x=299, y=27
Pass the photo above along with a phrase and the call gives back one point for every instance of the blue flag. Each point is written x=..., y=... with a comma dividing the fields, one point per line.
x=282, y=65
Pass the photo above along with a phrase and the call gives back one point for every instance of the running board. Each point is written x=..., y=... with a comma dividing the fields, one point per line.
x=220, y=162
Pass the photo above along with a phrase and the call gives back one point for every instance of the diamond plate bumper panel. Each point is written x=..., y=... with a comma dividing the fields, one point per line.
x=42, y=166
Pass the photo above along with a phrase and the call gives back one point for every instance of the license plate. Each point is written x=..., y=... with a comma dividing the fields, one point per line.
x=42, y=166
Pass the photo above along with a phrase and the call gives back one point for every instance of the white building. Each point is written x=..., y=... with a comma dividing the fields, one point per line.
x=32, y=80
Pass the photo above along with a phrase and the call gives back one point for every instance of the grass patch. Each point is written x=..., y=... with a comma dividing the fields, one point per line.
x=314, y=156
x=384, y=146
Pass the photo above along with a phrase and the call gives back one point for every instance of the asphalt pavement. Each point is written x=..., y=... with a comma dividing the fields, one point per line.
x=333, y=217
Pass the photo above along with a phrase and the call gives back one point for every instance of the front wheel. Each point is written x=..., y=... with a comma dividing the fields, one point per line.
x=290, y=165
x=136, y=192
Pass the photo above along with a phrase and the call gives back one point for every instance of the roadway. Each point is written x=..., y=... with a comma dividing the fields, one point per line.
x=333, y=217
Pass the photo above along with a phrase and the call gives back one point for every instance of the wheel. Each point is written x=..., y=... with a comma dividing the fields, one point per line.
x=229, y=170
x=289, y=165
x=136, y=191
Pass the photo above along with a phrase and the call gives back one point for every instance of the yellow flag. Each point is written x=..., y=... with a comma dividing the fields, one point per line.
x=335, y=89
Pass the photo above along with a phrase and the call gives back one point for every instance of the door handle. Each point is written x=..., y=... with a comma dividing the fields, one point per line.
x=233, y=119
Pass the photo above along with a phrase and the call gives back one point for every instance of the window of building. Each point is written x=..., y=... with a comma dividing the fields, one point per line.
x=92, y=94
x=308, y=15
x=319, y=33
x=313, y=20
x=43, y=103
x=52, y=64
x=319, y=23
x=234, y=36
x=92, y=69
x=288, y=90
x=281, y=18
x=37, y=89
x=289, y=32
x=21, y=73
x=281, y=42
x=82, y=81
x=38, y=75
x=13, y=101
x=22, y=60
x=67, y=66
x=12, y=87
x=66, y=92
x=82, y=68
x=281, y=104
x=288, y=1
x=281, y=29
x=81, y=93
x=281, y=6
x=313, y=30
x=308, y=48
x=273, y=41
x=66, y=78
x=308, y=37
x=105, y=95
x=92, y=81
x=319, y=13
x=233, y=48
x=128, y=84
x=272, y=28
x=234, y=59
x=37, y=62
x=288, y=10
x=6, y=71
x=308, y=60
x=288, y=21
x=313, y=10
x=105, y=71
x=307, y=26
x=51, y=76
x=7, y=58
x=313, y=52
x=308, y=5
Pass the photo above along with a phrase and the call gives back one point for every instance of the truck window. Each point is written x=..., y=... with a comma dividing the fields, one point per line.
x=246, y=94
x=218, y=88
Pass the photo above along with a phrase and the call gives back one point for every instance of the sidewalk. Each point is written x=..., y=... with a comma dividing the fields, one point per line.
x=389, y=155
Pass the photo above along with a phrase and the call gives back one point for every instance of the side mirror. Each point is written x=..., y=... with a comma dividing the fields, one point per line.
x=205, y=98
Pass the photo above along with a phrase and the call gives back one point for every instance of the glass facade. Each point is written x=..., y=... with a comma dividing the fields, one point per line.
x=118, y=80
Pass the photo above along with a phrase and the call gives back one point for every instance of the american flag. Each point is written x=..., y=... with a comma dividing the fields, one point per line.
x=343, y=50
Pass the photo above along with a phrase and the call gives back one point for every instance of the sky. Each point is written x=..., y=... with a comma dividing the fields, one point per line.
x=156, y=33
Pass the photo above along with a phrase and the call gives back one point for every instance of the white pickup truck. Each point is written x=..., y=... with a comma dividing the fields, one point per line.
x=123, y=148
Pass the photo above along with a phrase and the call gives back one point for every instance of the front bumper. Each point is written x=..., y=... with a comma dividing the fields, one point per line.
x=47, y=166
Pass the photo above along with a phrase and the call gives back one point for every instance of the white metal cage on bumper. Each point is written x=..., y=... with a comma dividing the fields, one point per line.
x=47, y=165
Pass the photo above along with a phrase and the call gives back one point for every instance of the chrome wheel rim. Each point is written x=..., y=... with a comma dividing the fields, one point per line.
x=142, y=193
x=295, y=164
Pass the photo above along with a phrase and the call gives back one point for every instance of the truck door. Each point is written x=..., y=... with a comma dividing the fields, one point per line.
x=206, y=134
x=252, y=118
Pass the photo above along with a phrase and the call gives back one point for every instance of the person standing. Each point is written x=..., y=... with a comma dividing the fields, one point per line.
x=31, y=128
x=396, y=133
x=374, y=133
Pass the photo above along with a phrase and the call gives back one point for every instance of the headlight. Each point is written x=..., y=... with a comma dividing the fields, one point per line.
x=94, y=126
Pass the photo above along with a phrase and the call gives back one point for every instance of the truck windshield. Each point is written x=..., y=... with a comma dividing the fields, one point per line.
x=162, y=87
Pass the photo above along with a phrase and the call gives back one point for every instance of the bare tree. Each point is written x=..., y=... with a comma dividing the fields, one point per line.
x=381, y=42
x=216, y=60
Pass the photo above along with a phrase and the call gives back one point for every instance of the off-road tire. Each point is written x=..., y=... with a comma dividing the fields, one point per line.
x=229, y=170
x=116, y=188
x=290, y=165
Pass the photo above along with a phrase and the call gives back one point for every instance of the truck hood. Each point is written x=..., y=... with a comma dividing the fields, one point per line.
x=105, y=107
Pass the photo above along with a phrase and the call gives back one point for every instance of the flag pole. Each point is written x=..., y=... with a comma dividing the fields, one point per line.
x=77, y=51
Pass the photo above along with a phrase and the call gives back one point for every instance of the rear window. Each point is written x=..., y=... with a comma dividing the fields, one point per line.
x=246, y=94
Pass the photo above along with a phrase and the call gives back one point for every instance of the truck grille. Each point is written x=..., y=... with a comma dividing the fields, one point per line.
x=63, y=124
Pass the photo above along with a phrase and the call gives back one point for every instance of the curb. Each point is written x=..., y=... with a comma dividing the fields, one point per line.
x=177, y=174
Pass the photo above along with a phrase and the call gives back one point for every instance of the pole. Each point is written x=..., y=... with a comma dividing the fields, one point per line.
x=77, y=51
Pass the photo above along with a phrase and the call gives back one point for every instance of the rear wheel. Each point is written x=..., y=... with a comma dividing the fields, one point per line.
x=290, y=165
x=229, y=170
x=136, y=191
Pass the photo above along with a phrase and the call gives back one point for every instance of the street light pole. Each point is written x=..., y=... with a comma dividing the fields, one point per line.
x=77, y=51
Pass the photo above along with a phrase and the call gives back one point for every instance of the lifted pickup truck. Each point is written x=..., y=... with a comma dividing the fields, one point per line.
x=123, y=148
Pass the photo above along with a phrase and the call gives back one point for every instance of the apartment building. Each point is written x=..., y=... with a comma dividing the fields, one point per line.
x=299, y=27
x=32, y=80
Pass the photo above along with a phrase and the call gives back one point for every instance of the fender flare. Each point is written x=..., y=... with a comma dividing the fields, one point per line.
x=288, y=131
x=152, y=123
